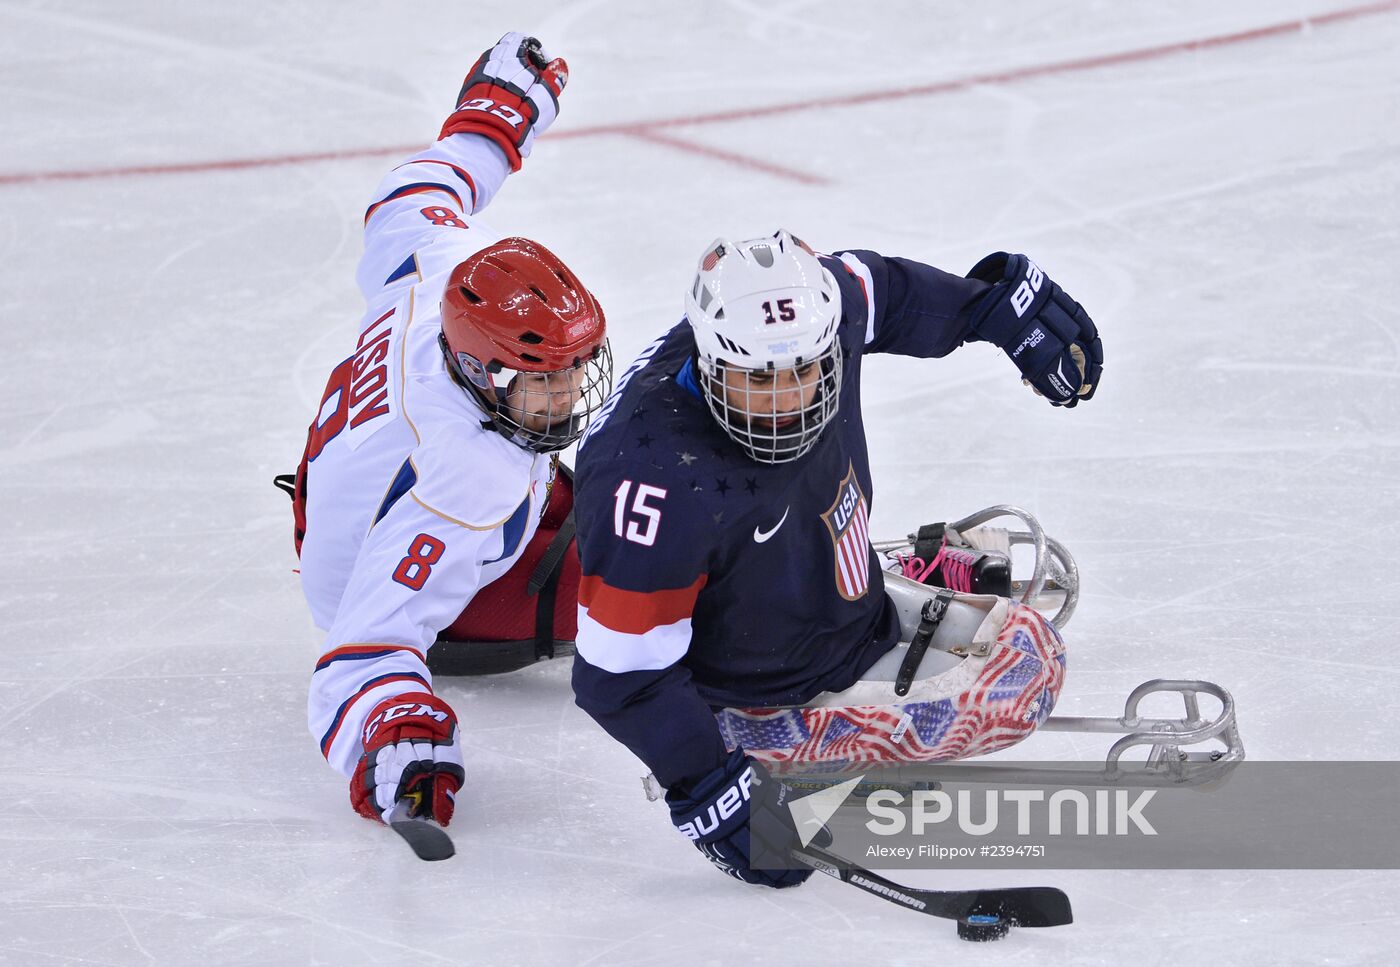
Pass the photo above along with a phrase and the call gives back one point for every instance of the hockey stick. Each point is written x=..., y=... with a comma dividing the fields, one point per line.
x=429, y=842
x=981, y=914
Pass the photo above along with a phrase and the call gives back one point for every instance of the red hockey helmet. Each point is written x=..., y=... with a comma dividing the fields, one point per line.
x=524, y=336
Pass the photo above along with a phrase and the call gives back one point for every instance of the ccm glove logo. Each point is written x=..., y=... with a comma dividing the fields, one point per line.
x=398, y=712
x=503, y=111
x=1024, y=295
x=729, y=802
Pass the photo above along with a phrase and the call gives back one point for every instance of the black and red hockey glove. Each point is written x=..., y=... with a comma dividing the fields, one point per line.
x=510, y=95
x=411, y=753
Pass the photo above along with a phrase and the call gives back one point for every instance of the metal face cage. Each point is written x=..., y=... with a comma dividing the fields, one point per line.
x=757, y=413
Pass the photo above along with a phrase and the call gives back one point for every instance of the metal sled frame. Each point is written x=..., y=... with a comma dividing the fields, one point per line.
x=1054, y=569
x=1179, y=750
x=1165, y=738
x=1170, y=761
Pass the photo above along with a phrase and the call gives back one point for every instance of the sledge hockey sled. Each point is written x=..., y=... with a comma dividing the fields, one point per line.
x=1191, y=748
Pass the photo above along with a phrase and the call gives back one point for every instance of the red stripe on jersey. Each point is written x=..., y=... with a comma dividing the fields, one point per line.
x=636, y=612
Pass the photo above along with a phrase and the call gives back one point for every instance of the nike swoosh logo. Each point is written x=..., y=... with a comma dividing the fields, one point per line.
x=759, y=537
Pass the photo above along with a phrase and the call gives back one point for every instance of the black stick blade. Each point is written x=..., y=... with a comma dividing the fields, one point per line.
x=1030, y=906
x=1027, y=906
x=429, y=842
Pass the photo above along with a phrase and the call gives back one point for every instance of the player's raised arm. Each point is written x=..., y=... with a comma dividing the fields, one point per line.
x=510, y=96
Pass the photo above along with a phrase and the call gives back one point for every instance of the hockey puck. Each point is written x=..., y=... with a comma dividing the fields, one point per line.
x=980, y=927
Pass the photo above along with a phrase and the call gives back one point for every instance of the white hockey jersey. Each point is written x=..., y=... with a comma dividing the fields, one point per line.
x=411, y=504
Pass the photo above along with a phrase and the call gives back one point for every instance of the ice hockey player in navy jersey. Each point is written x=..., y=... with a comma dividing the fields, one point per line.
x=729, y=594
x=433, y=457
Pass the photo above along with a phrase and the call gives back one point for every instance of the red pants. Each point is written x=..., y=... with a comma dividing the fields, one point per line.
x=504, y=610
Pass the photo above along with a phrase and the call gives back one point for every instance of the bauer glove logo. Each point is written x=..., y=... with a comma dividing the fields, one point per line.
x=1024, y=295
x=728, y=803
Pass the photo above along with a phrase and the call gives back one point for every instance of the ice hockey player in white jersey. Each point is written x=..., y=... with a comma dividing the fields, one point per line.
x=434, y=452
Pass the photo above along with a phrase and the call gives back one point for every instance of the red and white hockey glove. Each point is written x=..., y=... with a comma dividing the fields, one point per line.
x=411, y=753
x=511, y=94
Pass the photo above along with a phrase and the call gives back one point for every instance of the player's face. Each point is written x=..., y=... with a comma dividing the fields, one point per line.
x=772, y=399
x=538, y=401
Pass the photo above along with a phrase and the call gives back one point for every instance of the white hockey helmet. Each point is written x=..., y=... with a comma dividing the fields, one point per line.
x=764, y=312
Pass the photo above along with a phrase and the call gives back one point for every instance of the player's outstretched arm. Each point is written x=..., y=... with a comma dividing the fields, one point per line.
x=509, y=96
x=370, y=704
x=1048, y=335
x=905, y=307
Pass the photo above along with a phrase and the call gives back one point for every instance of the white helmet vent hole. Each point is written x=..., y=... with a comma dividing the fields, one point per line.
x=763, y=255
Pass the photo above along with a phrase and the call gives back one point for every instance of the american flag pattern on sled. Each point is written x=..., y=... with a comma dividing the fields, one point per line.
x=984, y=704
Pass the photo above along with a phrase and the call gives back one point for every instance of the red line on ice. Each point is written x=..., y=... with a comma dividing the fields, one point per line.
x=649, y=130
x=648, y=133
x=997, y=77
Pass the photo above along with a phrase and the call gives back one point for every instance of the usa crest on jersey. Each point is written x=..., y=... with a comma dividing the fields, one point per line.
x=848, y=522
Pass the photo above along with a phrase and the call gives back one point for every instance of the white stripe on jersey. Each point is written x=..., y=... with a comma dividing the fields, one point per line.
x=617, y=651
x=868, y=284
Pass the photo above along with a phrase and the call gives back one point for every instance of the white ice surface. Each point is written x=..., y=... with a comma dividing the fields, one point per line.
x=1229, y=215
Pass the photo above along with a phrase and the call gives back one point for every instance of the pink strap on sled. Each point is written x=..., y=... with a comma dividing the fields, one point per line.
x=957, y=567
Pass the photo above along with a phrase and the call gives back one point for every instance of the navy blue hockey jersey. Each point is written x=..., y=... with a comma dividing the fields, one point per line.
x=710, y=579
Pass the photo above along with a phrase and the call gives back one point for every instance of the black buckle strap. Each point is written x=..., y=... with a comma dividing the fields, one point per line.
x=287, y=483
x=930, y=618
x=929, y=540
x=544, y=581
x=553, y=555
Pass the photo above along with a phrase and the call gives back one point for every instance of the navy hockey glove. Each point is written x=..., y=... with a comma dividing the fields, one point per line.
x=1048, y=335
x=715, y=814
x=411, y=754
x=510, y=95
